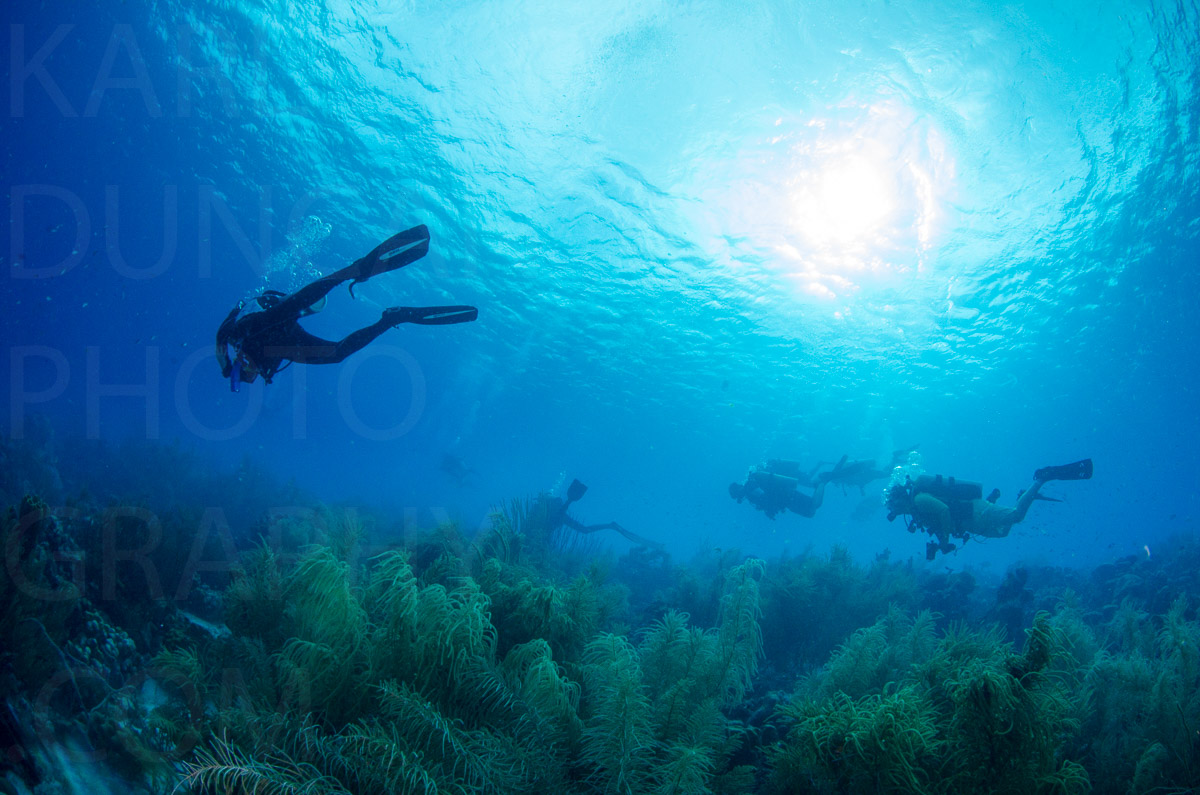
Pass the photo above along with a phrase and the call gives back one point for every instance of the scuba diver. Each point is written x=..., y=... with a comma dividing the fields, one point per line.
x=946, y=507
x=864, y=471
x=791, y=469
x=269, y=338
x=557, y=518
x=774, y=487
x=457, y=470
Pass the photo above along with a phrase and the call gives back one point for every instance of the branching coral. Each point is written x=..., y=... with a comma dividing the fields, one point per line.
x=963, y=715
x=653, y=721
x=225, y=768
x=739, y=637
x=254, y=598
x=888, y=742
x=618, y=743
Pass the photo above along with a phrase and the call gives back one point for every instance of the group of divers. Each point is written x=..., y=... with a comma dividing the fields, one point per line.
x=944, y=507
x=261, y=336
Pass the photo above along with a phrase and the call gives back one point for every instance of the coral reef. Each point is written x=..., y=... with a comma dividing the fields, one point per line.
x=897, y=710
x=150, y=644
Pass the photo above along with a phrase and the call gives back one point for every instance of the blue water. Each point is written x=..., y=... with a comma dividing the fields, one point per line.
x=699, y=236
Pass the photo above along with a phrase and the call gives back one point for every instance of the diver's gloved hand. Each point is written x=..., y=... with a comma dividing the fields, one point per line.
x=430, y=315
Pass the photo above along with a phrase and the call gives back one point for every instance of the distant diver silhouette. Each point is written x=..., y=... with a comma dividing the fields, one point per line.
x=559, y=518
x=457, y=470
x=266, y=340
x=773, y=488
x=862, y=472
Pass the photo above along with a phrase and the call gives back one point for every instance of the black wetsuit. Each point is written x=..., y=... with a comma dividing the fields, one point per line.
x=559, y=518
x=772, y=493
x=268, y=338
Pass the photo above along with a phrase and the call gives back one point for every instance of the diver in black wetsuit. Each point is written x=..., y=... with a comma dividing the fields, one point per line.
x=774, y=487
x=557, y=518
x=264, y=342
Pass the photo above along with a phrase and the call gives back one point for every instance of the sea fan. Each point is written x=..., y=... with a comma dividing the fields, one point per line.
x=224, y=768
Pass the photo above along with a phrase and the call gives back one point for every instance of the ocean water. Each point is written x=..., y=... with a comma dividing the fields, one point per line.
x=699, y=236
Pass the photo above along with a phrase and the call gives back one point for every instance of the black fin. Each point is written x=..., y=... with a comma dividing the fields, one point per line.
x=430, y=315
x=1039, y=496
x=402, y=248
x=576, y=491
x=1079, y=470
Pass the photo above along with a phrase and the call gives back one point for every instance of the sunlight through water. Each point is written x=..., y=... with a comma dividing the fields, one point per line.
x=835, y=206
x=847, y=199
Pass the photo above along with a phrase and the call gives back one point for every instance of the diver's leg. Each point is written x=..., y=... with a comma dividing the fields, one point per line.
x=309, y=349
x=635, y=538
x=1025, y=500
x=397, y=251
x=357, y=340
x=818, y=495
x=995, y=521
x=806, y=506
x=309, y=294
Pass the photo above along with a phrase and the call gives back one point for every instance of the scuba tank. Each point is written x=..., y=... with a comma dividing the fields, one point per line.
x=772, y=482
x=956, y=494
x=947, y=489
x=783, y=466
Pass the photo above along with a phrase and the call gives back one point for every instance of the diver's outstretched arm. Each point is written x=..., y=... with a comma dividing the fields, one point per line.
x=224, y=337
x=294, y=304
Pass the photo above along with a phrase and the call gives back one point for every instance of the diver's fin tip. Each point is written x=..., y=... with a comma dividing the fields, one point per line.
x=576, y=490
x=402, y=248
x=1078, y=470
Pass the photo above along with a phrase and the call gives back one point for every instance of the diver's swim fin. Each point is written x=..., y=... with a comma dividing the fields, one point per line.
x=576, y=491
x=402, y=248
x=1040, y=496
x=825, y=477
x=1080, y=470
x=430, y=315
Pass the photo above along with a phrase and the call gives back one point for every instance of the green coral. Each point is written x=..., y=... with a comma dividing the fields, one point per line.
x=36, y=600
x=1146, y=694
x=618, y=743
x=653, y=719
x=887, y=742
x=497, y=667
x=383, y=683
x=226, y=768
x=961, y=715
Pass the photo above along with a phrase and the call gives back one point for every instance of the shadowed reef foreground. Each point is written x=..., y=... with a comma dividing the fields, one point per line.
x=513, y=662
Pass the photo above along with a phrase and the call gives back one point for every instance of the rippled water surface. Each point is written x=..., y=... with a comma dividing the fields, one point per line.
x=699, y=236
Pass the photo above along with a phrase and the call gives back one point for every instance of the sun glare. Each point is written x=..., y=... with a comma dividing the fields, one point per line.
x=833, y=206
x=850, y=198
